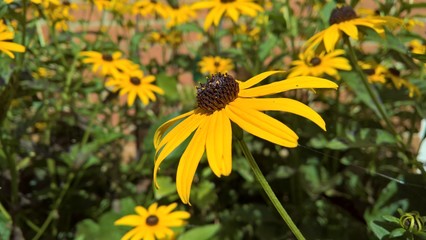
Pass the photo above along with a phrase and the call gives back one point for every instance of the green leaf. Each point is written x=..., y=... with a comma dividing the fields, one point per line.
x=204, y=194
x=390, y=218
x=266, y=47
x=398, y=232
x=421, y=57
x=168, y=84
x=201, y=233
x=167, y=187
x=5, y=227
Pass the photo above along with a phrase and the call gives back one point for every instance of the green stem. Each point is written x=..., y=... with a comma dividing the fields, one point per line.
x=55, y=208
x=367, y=85
x=268, y=190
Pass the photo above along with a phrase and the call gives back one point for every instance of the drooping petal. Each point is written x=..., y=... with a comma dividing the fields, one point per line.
x=227, y=145
x=350, y=29
x=331, y=36
x=284, y=105
x=163, y=128
x=214, y=146
x=261, y=125
x=257, y=79
x=288, y=84
x=189, y=162
x=178, y=135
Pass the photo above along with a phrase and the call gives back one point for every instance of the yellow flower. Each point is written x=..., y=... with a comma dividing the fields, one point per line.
x=324, y=63
x=376, y=73
x=173, y=38
x=134, y=83
x=59, y=15
x=42, y=73
x=222, y=100
x=410, y=24
x=148, y=7
x=399, y=82
x=153, y=223
x=6, y=46
x=344, y=20
x=46, y=3
x=230, y=8
x=416, y=46
x=214, y=64
x=102, y=4
x=109, y=64
x=177, y=15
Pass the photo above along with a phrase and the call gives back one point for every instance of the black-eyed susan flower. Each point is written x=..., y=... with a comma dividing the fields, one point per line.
x=6, y=46
x=177, y=15
x=416, y=46
x=109, y=64
x=135, y=84
x=215, y=64
x=153, y=223
x=376, y=73
x=230, y=8
x=398, y=82
x=223, y=100
x=310, y=64
x=344, y=20
x=149, y=7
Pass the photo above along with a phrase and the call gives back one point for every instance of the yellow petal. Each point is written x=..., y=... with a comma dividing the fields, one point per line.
x=163, y=128
x=331, y=36
x=261, y=125
x=130, y=220
x=174, y=138
x=284, y=105
x=189, y=162
x=257, y=79
x=214, y=145
x=350, y=29
x=288, y=84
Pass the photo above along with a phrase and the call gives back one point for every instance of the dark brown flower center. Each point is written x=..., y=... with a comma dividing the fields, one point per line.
x=107, y=57
x=342, y=14
x=315, y=61
x=135, y=81
x=66, y=3
x=216, y=63
x=369, y=71
x=153, y=1
x=227, y=1
x=152, y=220
x=219, y=90
x=395, y=72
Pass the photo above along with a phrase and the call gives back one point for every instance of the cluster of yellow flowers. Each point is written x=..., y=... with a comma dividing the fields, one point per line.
x=123, y=75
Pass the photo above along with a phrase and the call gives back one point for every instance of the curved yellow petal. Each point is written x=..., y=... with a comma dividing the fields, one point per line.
x=163, y=128
x=350, y=29
x=261, y=125
x=189, y=162
x=284, y=105
x=331, y=36
x=257, y=79
x=288, y=84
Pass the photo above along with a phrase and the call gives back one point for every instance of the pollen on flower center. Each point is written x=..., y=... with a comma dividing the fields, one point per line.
x=315, y=61
x=135, y=81
x=107, y=57
x=152, y=220
x=342, y=14
x=219, y=90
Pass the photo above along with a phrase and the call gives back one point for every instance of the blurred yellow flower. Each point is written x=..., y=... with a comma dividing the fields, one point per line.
x=42, y=72
x=223, y=100
x=398, y=82
x=344, y=20
x=416, y=46
x=173, y=38
x=177, y=15
x=230, y=8
x=214, y=64
x=59, y=15
x=376, y=73
x=134, y=83
x=410, y=24
x=149, y=7
x=310, y=64
x=6, y=44
x=153, y=223
x=109, y=64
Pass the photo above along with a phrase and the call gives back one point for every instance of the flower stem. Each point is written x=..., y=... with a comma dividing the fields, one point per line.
x=373, y=96
x=268, y=190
